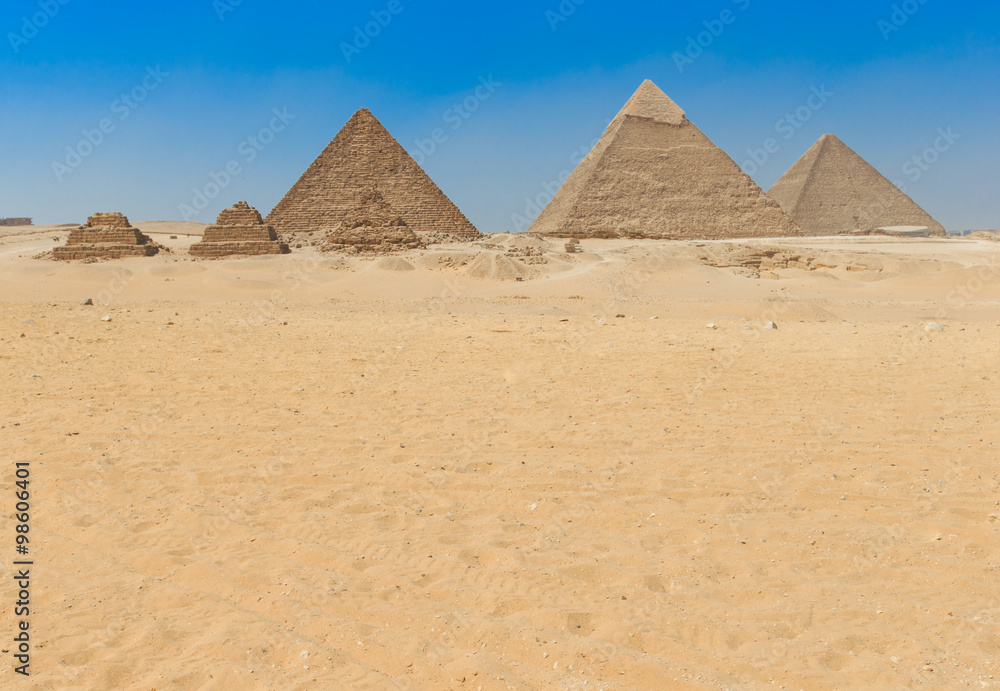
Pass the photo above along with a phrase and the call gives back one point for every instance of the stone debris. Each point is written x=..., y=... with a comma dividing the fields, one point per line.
x=754, y=260
x=239, y=230
x=831, y=190
x=106, y=236
x=933, y=327
x=573, y=247
x=87, y=303
x=363, y=156
x=372, y=227
x=770, y=326
x=654, y=174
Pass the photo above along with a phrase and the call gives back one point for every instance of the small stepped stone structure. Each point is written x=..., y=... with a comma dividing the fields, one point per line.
x=238, y=230
x=831, y=190
x=364, y=155
x=372, y=227
x=654, y=174
x=573, y=247
x=106, y=236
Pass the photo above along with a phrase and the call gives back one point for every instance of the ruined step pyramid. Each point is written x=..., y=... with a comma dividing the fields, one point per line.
x=238, y=230
x=655, y=175
x=106, y=236
x=371, y=227
x=364, y=155
x=831, y=190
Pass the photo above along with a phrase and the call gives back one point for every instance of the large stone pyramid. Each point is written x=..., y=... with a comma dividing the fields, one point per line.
x=106, y=236
x=655, y=175
x=238, y=230
x=831, y=190
x=364, y=155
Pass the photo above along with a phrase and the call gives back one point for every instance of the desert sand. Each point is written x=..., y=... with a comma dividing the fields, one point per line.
x=417, y=472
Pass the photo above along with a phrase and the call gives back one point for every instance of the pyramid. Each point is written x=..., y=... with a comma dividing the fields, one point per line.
x=832, y=190
x=106, y=236
x=655, y=175
x=364, y=155
x=238, y=230
x=371, y=227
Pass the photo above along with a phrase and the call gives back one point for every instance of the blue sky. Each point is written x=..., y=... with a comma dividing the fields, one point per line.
x=186, y=89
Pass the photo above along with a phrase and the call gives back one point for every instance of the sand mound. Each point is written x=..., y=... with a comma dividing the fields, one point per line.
x=498, y=267
x=395, y=264
x=445, y=260
x=756, y=261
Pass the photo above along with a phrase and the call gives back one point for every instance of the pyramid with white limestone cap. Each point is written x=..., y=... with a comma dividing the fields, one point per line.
x=655, y=175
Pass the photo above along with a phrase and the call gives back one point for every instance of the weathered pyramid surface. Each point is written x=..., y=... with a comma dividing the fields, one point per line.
x=364, y=155
x=655, y=175
x=371, y=227
x=238, y=230
x=106, y=236
x=832, y=190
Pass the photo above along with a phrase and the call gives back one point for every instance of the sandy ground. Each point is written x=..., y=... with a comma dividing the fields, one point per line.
x=309, y=472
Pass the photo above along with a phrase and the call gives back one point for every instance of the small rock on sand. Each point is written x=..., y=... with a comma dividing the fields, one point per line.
x=770, y=325
x=933, y=327
x=87, y=303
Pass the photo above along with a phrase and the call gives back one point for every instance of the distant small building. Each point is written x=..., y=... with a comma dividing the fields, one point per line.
x=15, y=221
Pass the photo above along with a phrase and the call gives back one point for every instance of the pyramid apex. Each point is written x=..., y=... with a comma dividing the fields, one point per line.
x=651, y=103
x=830, y=139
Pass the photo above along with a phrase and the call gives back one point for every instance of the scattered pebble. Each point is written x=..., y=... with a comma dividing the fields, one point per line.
x=770, y=325
x=87, y=303
x=711, y=325
x=933, y=327
x=106, y=318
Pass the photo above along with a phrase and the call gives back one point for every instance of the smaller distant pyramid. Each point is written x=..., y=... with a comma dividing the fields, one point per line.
x=238, y=230
x=831, y=190
x=106, y=236
x=371, y=227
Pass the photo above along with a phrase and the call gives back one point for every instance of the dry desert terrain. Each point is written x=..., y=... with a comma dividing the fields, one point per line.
x=418, y=472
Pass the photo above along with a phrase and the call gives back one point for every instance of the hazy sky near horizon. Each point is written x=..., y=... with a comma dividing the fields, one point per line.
x=166, y=111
